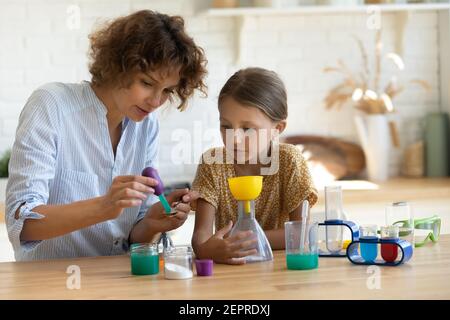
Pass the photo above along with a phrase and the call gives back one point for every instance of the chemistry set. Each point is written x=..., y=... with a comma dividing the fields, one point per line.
x=306, y=241
x=178, y=260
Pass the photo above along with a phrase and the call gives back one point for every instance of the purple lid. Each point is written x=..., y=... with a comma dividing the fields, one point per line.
x=204, y=267
x=153, y=173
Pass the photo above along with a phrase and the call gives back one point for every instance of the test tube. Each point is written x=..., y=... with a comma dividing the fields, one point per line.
x=389, y=251
x=334, y=212
x=369, y=251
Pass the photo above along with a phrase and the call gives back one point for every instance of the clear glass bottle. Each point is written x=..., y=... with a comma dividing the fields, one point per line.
x=334, y=213
x=247, y=221
x=245, y=189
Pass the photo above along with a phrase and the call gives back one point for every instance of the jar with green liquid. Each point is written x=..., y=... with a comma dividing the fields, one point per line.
x=144, y=259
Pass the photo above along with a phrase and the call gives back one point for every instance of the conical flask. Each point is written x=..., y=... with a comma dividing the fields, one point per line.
x=246, y=189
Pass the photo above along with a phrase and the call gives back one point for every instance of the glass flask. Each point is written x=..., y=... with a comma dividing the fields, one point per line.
x=246, y=189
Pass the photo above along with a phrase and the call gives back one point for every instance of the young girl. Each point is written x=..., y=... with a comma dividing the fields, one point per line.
x=253, y=99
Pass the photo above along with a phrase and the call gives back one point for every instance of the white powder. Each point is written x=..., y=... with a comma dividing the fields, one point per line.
x=175, y=271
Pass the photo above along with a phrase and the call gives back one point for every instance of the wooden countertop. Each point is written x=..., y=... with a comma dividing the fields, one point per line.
x=425, y=276
x=406, y=189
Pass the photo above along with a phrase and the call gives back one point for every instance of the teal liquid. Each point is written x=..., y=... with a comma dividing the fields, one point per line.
x=144, y=264
x=369, y=251
x=305, y=261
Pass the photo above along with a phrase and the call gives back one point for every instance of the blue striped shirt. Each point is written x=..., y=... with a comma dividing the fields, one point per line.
x=63, y=153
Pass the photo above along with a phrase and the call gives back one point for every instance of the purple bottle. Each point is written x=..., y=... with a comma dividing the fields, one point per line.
x=159, y=188
x=153, y=173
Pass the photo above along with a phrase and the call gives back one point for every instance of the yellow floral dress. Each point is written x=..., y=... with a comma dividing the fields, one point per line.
x=281, y=193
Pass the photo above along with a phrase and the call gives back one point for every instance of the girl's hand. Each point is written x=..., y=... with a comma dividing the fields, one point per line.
x=180, y=200
x=230, y=250
x=126, y=192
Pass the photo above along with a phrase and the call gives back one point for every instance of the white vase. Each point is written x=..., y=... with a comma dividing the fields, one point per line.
x=373, y=131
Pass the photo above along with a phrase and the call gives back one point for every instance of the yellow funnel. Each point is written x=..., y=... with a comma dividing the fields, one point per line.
x=245, y=188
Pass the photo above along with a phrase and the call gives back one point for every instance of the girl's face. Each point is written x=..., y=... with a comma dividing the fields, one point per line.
x=147, y=92
x=246, y=130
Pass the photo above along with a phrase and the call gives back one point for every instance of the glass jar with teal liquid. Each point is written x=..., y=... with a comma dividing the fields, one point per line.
x=302, y=251
x=144, y=259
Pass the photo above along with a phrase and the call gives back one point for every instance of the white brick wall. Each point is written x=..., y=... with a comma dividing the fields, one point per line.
x=36, y=47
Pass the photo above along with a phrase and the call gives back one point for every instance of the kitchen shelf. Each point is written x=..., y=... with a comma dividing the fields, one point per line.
x=242, y=14
x=320, y=9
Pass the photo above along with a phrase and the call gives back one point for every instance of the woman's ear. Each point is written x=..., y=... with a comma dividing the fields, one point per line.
x=281, y=125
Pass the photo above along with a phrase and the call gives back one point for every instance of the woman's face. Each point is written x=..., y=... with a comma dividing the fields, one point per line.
x=146, y=93
x=246, y=131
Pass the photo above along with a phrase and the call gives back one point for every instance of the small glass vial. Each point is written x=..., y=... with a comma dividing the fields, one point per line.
x=369, y=250
x=144, y=259
x=178, y=263
x=401, y=215
x=389, y=251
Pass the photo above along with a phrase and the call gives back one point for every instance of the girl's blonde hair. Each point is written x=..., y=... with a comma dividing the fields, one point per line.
x=260, y=88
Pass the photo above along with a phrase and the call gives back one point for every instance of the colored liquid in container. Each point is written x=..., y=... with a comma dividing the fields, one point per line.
x=369, y=251
x=302, y=261
x=389, y=252
x=144, y=263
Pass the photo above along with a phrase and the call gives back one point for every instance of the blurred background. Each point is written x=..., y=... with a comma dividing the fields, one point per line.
x=367, y=81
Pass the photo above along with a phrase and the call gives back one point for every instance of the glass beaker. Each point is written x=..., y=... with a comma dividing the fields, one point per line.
x=369, y=251
x=334, y=213
x=400, y=214
x=144, y=259
x=178, y=262
x=389, y=251
x=302, y=250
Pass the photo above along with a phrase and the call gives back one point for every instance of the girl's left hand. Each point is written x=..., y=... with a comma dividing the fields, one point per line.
x=180, y=200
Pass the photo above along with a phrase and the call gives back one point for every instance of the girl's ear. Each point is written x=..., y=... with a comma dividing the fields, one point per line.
x=281, y=125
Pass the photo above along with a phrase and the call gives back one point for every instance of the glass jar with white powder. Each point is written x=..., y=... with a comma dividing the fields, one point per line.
x=178, y=263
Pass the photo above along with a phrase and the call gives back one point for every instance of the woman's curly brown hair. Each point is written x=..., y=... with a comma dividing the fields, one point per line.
x=146, y=41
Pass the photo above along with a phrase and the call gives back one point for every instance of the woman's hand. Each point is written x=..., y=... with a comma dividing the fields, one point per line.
x=180, y=200
x=230, y=250
x=126, y=192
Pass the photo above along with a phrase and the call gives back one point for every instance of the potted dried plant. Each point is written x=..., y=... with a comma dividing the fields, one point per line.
x=373, y=105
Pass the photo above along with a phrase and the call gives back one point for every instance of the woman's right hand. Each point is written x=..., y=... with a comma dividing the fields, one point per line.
x=126, y=192
x=230, y=250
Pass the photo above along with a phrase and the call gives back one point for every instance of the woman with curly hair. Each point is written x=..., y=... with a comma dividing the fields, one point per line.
x=75, y=187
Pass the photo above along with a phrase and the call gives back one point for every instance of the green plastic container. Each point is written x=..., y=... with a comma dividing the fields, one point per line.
x=437, y=144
